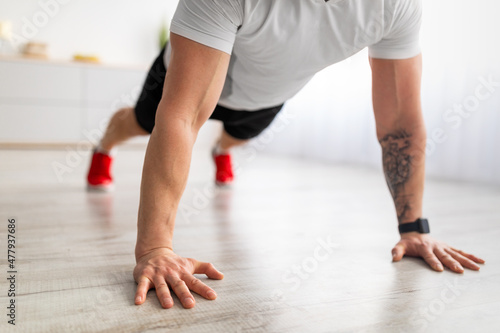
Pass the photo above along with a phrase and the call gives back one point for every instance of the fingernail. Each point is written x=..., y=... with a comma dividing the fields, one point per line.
x=188, y=301
x=167, y=301
x=458, y=268
x=438, y=267
x=211, y=294
x=138, y=299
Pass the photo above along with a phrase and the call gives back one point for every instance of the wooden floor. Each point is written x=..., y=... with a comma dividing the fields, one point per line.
x=305, y=247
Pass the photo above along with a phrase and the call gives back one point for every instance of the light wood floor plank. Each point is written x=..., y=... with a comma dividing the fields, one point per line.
x=75, y=251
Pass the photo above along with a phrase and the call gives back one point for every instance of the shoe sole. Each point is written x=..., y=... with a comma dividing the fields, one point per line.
x=100, y=188
x=223, y=185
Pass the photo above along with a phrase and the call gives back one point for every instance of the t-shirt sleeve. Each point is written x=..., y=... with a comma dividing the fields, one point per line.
x=213, y=23
x=401, y=38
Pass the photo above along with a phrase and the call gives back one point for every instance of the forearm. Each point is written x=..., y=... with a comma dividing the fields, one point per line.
x=164, y=178
x=403, y=155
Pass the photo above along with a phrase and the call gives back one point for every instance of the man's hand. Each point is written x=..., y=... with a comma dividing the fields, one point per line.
x=162, y=268
x=434, y=253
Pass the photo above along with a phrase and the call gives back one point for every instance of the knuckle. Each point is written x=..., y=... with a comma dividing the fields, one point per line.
x=446, y=257
x=170, y=272
x=425, y=243
x=144, y=271
x=179, y=284
x=159, y=271
x=185, y=295
x=161, y=285
x=428, y=246
x=195, y=281
x=175, y=267
x=427, y=255
x=185, y=261
x=430, y=257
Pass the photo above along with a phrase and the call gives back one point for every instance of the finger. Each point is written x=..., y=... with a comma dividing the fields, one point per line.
x=431, y=259
x=466, y=262
x=181, y=290
x=398, y=252
x=449, y=261
x=162, y=292
x=199, y=287
x=208, y=269
x=470, y=256
x=142, y=290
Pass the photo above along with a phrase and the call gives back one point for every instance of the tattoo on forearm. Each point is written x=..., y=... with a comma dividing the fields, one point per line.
x=397, y=168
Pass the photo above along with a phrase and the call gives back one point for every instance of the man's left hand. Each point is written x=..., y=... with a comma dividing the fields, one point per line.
x=435, y=253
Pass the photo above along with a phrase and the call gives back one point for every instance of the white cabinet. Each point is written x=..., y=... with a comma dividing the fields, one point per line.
x=32, y=82
x=42, y=101
x=30, y=123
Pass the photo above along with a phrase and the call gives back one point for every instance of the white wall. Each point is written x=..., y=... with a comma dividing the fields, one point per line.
x=333, y=114
x=333, y=119
x=119, y=31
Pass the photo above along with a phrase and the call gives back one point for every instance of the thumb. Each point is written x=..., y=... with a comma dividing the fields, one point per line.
x=208, y=269
x=398, y=252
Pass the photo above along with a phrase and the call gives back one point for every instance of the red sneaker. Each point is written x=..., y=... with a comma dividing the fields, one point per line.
x=99, y=177
x=224, y=169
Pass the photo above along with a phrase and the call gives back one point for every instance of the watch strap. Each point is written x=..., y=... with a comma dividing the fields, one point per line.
x=420, y=225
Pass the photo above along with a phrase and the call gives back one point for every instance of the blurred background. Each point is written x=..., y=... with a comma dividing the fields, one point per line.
x=67, y=65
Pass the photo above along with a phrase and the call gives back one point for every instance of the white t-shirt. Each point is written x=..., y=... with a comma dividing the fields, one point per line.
x=277, y=46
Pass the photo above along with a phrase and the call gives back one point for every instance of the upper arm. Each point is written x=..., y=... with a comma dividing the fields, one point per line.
x=396, y=94
x=202, y=38
x=194, y=81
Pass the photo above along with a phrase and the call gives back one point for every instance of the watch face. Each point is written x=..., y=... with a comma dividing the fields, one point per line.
x=423, y=226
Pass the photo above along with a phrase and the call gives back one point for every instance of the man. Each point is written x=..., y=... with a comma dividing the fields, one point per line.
x=244, y=59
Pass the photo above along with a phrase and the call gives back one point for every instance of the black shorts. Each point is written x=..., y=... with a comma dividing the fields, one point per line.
x=239, y=124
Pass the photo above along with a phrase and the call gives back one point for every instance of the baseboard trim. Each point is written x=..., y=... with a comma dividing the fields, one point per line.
x=61, y=145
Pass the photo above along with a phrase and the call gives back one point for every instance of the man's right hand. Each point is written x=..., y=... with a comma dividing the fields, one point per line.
x=162, y=268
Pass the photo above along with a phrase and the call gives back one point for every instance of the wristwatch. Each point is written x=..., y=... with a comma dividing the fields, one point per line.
x=420, y=225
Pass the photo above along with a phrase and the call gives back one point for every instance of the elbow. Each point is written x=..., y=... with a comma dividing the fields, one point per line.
x=178, y=120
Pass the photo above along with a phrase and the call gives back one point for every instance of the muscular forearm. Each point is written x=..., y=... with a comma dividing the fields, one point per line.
x=403, y=152
x=164, y=178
